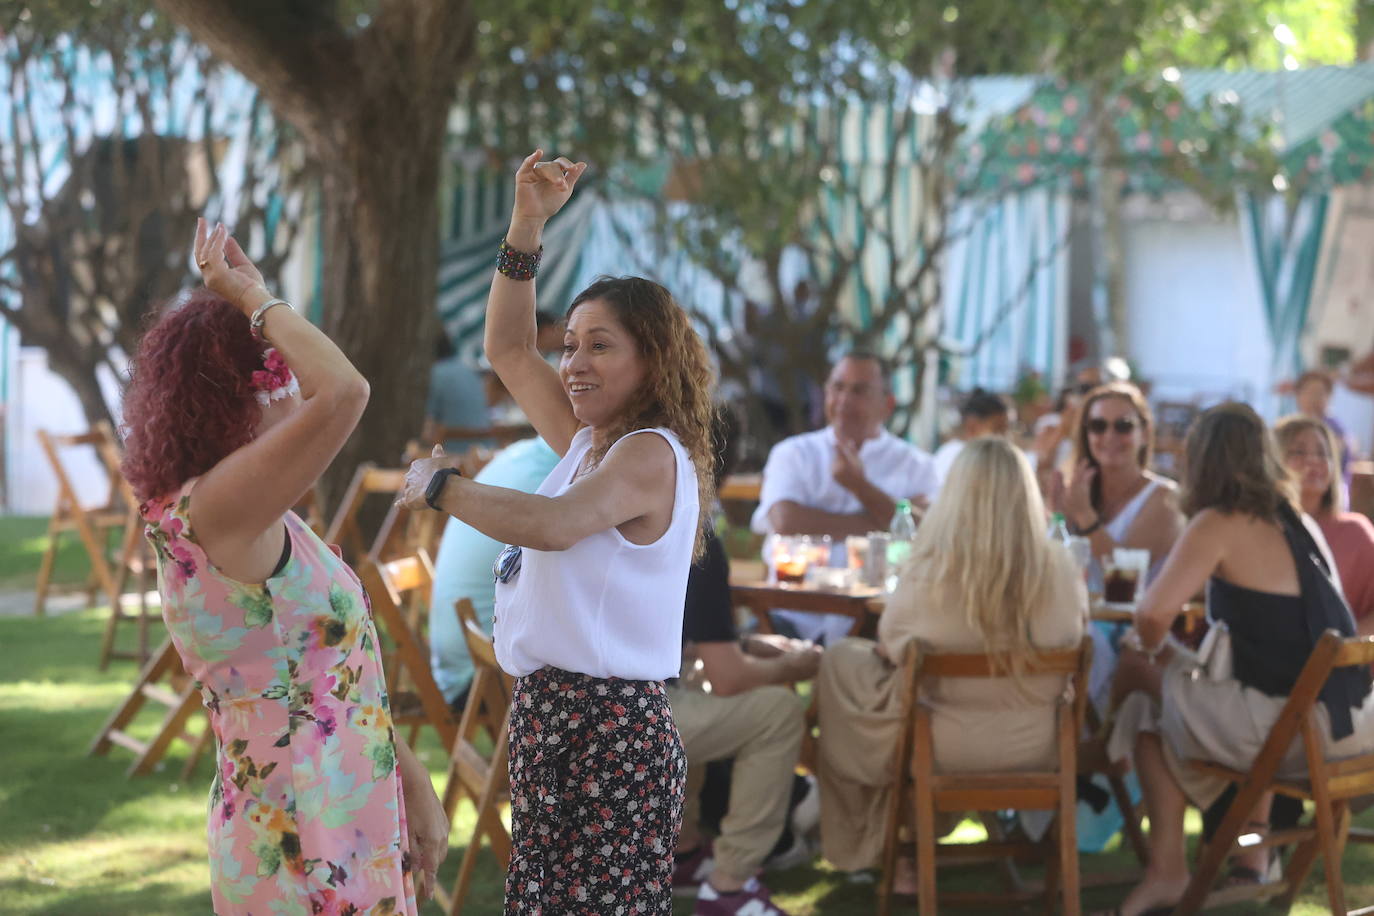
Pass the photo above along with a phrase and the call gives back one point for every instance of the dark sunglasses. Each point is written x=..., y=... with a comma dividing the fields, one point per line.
x=507, y=565
x=1123, y=426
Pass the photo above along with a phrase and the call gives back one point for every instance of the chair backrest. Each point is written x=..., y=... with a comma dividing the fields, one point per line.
x=480, y=646
x=100, y=438
x=398, y=590
x=1332, y=651
x=367, y=480
x=920, y=663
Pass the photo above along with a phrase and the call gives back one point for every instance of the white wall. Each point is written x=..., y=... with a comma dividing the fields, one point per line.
x=1196, y=321
x=41, y=400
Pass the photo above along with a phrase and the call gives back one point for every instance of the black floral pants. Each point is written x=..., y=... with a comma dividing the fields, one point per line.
x=597, y=775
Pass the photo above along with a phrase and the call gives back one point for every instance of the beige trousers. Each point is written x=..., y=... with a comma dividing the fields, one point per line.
x=762, y=730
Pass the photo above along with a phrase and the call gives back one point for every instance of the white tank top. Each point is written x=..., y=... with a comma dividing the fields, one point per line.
x=1121, y=524
x=1123, y=520
x=604, y=607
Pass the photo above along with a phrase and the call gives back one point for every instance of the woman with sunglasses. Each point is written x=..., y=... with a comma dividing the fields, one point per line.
x=590, y=594
x=1113, y=499
x=1309, y=448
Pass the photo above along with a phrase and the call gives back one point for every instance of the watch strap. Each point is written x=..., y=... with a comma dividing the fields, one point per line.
x=435, y=489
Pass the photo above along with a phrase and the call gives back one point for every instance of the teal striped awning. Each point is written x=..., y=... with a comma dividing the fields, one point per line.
x=478, y=213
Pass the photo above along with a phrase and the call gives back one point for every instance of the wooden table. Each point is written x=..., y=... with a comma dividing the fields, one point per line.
x=741, y=487
x=762, y=597
x=1193, y=611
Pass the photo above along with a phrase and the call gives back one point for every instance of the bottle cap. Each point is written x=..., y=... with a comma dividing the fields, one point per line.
x=903, y=504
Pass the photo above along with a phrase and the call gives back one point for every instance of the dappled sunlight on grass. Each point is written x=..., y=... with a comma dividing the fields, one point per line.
x=81, y=839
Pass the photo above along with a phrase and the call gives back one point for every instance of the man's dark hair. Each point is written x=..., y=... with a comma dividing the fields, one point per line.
x=884, y=370
x=984, y=405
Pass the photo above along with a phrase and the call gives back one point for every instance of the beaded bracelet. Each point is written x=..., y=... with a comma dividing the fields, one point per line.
x=518, y=265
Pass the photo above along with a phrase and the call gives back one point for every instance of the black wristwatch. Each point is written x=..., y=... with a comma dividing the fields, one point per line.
x=1084, y=532
x=436, y=485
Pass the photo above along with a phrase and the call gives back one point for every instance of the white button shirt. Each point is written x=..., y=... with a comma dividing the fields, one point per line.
x=798, y=469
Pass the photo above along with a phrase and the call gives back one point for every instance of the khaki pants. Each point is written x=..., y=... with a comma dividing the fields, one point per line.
x=762, y=730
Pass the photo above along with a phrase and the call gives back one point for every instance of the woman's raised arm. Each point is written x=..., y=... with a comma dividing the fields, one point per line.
x=541, y=190
x=247, y=493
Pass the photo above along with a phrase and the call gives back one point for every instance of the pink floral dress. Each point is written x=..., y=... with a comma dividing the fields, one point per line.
x=306, y=814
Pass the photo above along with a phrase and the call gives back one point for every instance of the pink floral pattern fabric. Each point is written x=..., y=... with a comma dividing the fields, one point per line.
x=306, y=814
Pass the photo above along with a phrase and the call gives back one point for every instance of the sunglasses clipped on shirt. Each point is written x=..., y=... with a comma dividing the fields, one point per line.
x=1122, y=425
x=507, y=565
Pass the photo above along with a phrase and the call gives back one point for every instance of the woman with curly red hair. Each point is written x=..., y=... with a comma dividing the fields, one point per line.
x=590, y=594
x=235, y=407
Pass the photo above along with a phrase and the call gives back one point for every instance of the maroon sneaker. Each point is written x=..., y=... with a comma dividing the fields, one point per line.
x=692, y=870
x=753, y=900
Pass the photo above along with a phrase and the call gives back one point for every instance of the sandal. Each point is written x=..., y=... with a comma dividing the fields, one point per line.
x=1245, y=875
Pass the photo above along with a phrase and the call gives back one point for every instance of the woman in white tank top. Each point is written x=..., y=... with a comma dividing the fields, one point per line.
x=1113, y=498
x=590, y=591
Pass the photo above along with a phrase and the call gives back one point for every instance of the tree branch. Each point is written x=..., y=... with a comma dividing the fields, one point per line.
x=294, y=51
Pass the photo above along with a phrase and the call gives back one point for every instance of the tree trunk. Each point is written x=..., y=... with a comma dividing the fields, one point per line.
x=372, y=106
x=381, y=213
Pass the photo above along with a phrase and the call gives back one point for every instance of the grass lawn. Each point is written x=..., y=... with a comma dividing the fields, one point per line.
x=79, y=839
x=23, y=538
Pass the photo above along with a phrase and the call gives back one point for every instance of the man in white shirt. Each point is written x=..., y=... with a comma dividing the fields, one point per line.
x=844, y=479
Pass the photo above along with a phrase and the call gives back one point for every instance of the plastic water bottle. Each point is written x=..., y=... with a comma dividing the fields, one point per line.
x=903, y=531
x=1079, y=548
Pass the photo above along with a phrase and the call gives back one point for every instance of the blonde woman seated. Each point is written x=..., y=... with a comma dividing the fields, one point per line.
x=1269, y=579
x=982, y=577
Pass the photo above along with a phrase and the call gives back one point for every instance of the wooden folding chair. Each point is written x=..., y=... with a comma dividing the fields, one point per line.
x=94, y=526
x=399, y=592
x=483, y=778
x=164, y=682
x=1330, y=785
x=344, y=528
x=929, y=791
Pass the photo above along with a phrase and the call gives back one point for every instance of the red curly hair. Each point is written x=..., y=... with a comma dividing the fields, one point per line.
x=189, y=401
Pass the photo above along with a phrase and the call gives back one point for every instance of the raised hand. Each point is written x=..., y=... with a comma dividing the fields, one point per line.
x=847, y=468
x=542, y=188
x=225, y=269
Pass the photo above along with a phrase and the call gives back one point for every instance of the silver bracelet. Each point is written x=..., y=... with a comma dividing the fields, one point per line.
x=260, y=316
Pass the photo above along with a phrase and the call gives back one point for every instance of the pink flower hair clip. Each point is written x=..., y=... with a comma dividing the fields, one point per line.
x=274, y=381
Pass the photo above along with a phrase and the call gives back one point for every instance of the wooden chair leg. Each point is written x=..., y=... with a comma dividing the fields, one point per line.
x=162, y=662
x=1070, y=883
x=207, y=738
x=1295, y=875
x=1130, y=820
x=1327, y=821
x=923, y=791
x=173, y=727
x=45, y=565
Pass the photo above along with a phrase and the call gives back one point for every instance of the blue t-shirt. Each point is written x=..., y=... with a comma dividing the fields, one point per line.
x=463, y=567
x=456, y=398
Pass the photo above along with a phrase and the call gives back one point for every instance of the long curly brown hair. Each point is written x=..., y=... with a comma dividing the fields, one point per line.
x=677, y=391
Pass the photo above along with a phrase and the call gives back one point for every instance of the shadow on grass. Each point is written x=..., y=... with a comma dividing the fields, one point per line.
x=152, y=899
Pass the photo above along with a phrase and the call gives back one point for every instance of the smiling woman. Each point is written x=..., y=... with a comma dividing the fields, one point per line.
x=590, y=594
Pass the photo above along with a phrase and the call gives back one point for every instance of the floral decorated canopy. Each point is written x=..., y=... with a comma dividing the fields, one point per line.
x=1299, y=130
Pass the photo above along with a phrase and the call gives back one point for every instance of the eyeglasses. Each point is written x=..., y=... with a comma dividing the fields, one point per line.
x=507, y=565
x=1303, y=455
x=1123, y=426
